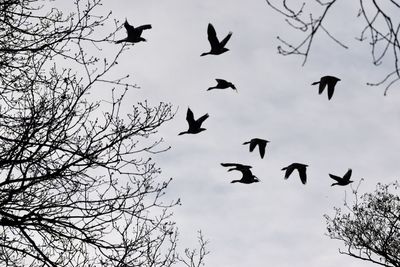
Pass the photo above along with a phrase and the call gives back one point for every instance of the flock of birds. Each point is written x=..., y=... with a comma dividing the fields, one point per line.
x=195, y=125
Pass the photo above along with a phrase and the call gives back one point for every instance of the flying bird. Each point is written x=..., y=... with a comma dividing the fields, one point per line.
x=194, y=125
x=301, y=168
x=345, y=180
x=247, y=175
x=134, y=34
x=217, y=47
x=329, y=81
x=223, y=84
x=261, y=143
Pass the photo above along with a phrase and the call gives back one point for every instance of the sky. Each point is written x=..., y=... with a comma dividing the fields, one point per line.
x=275, y=222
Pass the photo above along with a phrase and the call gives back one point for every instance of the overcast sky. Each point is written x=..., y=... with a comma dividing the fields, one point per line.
x=275, y=222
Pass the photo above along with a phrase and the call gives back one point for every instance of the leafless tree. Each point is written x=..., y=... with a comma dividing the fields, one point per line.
x=370, y=226
x=77, y=184
x=381, y=30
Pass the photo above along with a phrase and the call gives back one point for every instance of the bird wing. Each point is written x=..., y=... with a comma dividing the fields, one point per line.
x=289, y=169
x=253, y=145
x=230, y=164
x=139, y=30
x=303, y=174
x=190, y=116
x=246, y=172
x=236, y=165
x=331, y=88
x=143, y=27
x=347, y=175
x=261, y=147
x=226, y=39
x=220, y=81
x=321, y=87
x=129, y=28
x=212, y=36
x=336, y=178
x=202, y=118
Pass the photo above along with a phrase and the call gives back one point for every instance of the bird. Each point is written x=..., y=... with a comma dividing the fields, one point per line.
x=134, y=34
x=247, y=175
x=194, y=125
x=217, y=47
x=261, y=143
x=345, y=180
x=329, y=81
x=223, y=84
x=301, y=168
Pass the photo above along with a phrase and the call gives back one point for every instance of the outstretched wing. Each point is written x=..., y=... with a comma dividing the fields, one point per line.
x=226, y=39
x=336, y=178
x=321, y=87
x=129, y=28
x=230, y=164
x=220, y=81
x=288, y=171
x=331, y=88
x=190, y=116
x=253, y=145
x=236, y=165
x=303, y=175
x=347, y=176
x=261, y=147
x=202, y=118
x=212, y=36
x=139, y=30
x=144, y=27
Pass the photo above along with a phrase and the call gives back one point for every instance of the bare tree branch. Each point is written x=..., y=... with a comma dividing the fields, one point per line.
x=370, y=226
x=77, y=185
x=381, y=30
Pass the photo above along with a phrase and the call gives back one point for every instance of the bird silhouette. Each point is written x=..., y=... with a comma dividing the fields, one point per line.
x=223, y=84
x=217, y=47
x=261, y=143
x=301, y=168
x=247, y=175
x=194, y=125
x=329, y=81
x=345, y=180
x=134, y=34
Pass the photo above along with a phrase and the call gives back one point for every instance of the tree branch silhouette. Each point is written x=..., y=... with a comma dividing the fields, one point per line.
x=77, y=185
x=370, y=226
x=381, y=30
